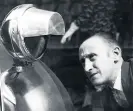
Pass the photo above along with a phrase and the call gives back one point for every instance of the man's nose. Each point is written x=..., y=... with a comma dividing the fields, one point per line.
x=88, y=65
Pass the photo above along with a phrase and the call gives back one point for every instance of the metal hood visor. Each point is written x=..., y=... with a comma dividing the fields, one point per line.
x=25, y=25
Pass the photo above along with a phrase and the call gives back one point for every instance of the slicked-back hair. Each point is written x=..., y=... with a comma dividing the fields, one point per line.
x=108, y=38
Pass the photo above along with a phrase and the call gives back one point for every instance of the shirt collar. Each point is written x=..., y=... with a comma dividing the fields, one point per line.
x=117, y=84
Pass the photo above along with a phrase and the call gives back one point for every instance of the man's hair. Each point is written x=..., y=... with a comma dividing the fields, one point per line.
x=108, y=38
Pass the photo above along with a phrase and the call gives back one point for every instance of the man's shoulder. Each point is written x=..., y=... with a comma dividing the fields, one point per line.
x=129, y=60
x=129, y=63
x=127, y=69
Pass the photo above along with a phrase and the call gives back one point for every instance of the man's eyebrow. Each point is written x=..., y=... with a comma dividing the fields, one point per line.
x=92, y=54
x=89, y=55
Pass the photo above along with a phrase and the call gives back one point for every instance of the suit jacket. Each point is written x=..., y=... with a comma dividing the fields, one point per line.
x=110, y=103
x=127, y=81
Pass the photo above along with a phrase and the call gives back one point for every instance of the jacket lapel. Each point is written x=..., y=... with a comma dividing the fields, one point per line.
x=127, y=81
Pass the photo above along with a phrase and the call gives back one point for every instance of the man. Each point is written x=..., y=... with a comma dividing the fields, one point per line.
x=101, y=58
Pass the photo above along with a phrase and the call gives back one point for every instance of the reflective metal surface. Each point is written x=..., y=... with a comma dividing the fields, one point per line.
x=6, y=60
x=29, y=85
x=35, y=88
x=28, y=23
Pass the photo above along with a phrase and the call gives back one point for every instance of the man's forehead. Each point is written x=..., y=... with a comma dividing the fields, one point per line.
x=84, y=51
x=92, y=45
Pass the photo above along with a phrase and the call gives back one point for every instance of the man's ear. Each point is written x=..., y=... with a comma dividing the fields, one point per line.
x=116, y=54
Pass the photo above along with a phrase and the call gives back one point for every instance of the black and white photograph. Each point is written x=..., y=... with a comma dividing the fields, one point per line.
x=66, y=55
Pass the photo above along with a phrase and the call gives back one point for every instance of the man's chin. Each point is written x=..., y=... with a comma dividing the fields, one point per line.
x=98, y=89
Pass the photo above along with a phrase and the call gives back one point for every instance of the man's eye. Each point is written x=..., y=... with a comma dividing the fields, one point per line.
x=92, y=57
x=82, y=61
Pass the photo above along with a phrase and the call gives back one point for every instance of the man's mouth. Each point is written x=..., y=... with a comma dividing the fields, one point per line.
x=92, y=75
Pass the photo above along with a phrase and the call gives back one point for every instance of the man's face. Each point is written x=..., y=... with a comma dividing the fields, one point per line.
x=95, y=56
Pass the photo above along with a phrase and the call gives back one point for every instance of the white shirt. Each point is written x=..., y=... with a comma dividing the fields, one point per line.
x=118, y=92
x=117, y=84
